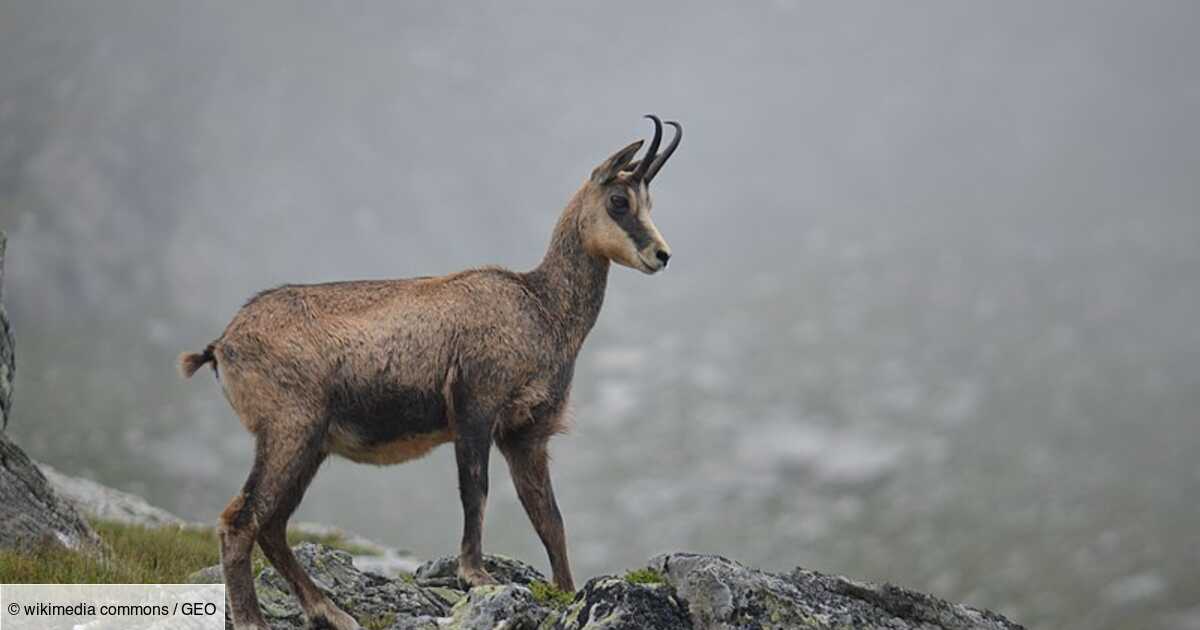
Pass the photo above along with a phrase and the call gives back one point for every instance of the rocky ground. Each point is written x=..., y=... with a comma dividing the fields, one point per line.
x=674, y=591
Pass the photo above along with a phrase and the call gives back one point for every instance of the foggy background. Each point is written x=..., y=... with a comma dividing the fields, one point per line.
x=931, y=316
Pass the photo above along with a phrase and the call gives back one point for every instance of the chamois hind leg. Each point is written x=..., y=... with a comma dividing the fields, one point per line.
x=528, y=463
x=272, y=538
x=281, y=457
x=237, y=528
x=471, y=450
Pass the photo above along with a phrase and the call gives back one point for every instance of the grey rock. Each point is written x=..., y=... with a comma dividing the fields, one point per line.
x=370, y=598
x=32, y=514
x=448, y=595
x=417, y=623
x=613, y=603
x=443, y=571
x=697, y=591
x=366, y=596
x=918, y=610
x=720, y=593
x=507, y=606
x=207, y=575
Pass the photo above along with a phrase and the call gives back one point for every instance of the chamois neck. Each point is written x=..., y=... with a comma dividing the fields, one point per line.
x=570, y=281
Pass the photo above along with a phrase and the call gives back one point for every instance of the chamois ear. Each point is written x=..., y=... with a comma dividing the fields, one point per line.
x=611, y=167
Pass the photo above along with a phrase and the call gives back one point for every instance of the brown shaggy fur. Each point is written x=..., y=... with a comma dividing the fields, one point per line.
x=382, y=372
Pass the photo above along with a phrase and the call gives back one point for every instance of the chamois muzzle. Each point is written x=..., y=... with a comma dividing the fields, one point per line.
x=653, y=162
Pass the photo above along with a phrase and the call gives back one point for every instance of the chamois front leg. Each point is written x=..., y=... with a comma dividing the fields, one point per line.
x=471, y=450
x=528, y=463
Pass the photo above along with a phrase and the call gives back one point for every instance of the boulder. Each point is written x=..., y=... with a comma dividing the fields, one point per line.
x=616, y=603
x=723, y=594
x=508, y=606
x=32, y=515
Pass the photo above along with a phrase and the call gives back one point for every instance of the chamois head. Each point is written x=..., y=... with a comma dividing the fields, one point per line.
x=615, y=210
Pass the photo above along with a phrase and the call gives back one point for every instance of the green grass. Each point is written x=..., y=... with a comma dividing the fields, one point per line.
x=138, y=555
x=549, y=595
x=59, y=566
x=645, y=576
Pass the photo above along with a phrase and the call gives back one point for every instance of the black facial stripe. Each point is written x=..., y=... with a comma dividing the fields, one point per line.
x=635, y=229
x=629, y=222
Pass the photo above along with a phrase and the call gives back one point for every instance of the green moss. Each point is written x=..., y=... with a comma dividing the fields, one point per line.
x=137, y=555
x=645, y=576
x=378, y=622
x=549, y=595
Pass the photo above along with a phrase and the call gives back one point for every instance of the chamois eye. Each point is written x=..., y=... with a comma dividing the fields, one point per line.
x=619, y=204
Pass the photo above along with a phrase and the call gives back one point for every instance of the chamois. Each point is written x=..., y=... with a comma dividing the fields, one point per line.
x=381, y=372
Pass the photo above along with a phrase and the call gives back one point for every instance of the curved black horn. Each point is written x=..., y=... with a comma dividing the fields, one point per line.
x=662, y=159
x=640, y=173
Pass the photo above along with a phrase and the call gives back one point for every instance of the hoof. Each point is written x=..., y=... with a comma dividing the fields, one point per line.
x=333, y=618
x=475, y=577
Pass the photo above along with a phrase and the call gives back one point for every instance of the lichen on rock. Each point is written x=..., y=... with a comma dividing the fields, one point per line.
x=721, y=593
x=364, y=595
x=613, y=603
x=508, y=606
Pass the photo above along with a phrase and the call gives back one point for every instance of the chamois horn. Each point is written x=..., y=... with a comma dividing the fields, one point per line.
x=662, y=158
x=640, y=173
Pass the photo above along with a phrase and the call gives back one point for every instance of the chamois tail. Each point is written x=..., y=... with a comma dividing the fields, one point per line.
x=189, y=362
